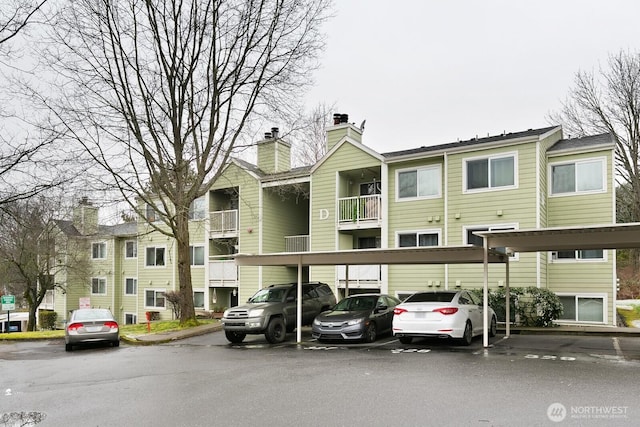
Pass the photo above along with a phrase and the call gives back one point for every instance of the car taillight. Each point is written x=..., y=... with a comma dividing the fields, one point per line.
x=447, y=310
x=398, y=311
x=111, y=325
x=74, y=326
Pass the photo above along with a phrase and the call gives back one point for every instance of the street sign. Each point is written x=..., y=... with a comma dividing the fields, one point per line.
x=8, y=302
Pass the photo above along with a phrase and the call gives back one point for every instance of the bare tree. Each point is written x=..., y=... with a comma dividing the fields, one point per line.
x=15, y=15
x=609, y=102
x=159, y=93
x=310, y=134
x=33, y=250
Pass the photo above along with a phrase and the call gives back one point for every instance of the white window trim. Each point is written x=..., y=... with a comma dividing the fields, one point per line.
x=125, y=249
x=514, y=226
x=203, y=290
x=204, y=209
x=513, y=154
x=106, y=285
x=106, y=249
x=204, y=261
x=124, y=287
x=605, y=306
x=155, y=290
x=128, y=313
x=550, y=192
x=437, y=231
x=166, y=253
x=417, y=168
x=552, y=260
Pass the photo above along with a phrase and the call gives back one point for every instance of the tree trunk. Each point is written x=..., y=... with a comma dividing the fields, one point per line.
x=187, y=312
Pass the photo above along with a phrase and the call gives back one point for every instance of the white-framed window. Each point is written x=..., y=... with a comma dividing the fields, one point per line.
x=492, y=172
x=130, y=249
x=197, y=209
x=155, y=256
x=589, y=308
x=419, y=183
x=153, y=212
x=408, y=239
x=198, y=299
x=98, y=286
x=130, y=286
x=470, y=238
x=99, y=250
x=130, y=319
x=154, y=298
x=196, y=255
x=578, y=177
x=580, y=255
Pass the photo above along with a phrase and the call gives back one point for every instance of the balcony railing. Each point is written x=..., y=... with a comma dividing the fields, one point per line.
x=360, y=209
x=223, y=273
x=359, y=276
x=223, y=221
x=296, y=243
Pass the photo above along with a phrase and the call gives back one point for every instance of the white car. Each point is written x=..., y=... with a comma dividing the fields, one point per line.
x=444, y=314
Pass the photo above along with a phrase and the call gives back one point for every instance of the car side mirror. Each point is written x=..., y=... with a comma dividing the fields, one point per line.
x=381, y=308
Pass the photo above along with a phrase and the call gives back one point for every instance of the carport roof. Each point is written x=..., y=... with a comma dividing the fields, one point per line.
x=432, y=255
x=614, y=236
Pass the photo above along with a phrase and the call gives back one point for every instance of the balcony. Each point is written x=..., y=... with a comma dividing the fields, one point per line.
x=360, y=211
x=360, y=276
x=296, y=243
x=223, y=273
x=223, y=223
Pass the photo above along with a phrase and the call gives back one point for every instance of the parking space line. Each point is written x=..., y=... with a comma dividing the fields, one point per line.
x=616, y=346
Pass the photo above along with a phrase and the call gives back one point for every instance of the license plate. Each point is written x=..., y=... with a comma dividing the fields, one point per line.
x=421, y=315
x=94, y=328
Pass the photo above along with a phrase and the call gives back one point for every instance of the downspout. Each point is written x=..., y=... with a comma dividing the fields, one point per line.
x=384, y=243
x=446, y=215
x=260, y=207
x=538, y=213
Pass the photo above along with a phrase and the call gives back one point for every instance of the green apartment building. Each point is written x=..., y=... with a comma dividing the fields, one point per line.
x=357, y=198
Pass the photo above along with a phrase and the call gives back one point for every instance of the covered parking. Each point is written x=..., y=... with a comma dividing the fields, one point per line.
x=615, y=236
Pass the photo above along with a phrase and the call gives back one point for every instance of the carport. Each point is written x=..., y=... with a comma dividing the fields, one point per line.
x=467, y=254
x=614, y=236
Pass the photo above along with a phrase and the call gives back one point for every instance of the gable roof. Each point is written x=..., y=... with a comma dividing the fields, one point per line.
x=470, y=142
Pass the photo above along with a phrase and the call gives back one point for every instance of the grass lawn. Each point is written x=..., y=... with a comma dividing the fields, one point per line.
x=139, y=329
x=630, y=315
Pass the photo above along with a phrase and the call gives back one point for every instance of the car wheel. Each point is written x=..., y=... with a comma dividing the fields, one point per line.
x=235, y=337
x=493, y=329
x=405, y=340
x=370, y=332
x=68, y=347
x=116, y=343
x=276, y=331
x=467, y=337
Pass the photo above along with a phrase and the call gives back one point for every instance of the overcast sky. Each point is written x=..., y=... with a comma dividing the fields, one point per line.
x=430, y=72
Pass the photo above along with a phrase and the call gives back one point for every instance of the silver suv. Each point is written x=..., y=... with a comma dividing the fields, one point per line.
x=272, y=311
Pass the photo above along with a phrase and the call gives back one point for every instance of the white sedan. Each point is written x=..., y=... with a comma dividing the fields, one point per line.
x=444, y=314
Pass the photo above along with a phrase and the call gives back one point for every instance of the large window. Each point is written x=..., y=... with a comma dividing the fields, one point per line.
x=490, y=172
x=578, y=177
x=197, y=209
x=130, y=249
x=155, y=257
x=418, y=238
x=130, y=286
x=196, y=255
x=582, y=308
x=130, y=319
x=154, y=298
x=98, y=286
x=419, y=183
x=198, y=299
x=99, y=250
x=578, y=255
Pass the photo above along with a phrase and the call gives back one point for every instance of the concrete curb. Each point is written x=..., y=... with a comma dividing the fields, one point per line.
x=165, y=337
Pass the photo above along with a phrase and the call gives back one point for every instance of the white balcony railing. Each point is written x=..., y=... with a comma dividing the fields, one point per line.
x=359, y=275
x=223, y=273
x=296, y=243
x=223, y=221
x=360, y=209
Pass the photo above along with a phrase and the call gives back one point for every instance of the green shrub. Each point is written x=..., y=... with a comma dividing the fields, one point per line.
x=47, y=319
x=530, y=306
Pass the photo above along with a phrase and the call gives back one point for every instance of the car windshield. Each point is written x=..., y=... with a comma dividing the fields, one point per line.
x=92, y=314
x=357, y=304
x=269, y=295
x=431, y=297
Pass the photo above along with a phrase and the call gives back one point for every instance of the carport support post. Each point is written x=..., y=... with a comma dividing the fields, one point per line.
x=299, y=303
x=485, y=294
x=508, y=303
x=346, y=280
